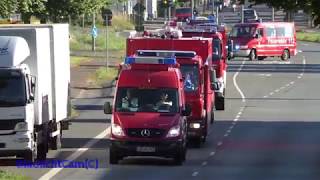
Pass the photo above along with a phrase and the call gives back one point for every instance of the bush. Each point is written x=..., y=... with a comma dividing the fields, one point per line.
x=120, y=23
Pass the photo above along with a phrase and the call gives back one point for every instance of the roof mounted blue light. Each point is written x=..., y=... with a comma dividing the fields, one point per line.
x=150, y=60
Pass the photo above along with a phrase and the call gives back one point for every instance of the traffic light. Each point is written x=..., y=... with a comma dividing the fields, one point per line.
x=165, y=2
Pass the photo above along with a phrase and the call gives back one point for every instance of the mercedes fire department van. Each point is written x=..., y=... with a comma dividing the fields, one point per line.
x=261, y=40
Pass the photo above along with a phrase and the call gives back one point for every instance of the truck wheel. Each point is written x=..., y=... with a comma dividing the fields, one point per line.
x=252, y=55
x=42, y=151
x=285, y=55
x=113, y=156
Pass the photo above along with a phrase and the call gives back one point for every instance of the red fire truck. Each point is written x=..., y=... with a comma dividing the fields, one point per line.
x=149, y=110
x=219, y=56
x=194, y=57
x=261, y=40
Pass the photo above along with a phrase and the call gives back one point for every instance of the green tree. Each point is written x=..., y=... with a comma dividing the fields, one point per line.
x=7, y=7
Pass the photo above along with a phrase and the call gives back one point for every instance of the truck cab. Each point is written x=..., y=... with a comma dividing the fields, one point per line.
x=149, y=110
x=219, y=54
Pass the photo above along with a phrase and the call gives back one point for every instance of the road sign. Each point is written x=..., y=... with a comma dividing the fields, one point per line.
x=94, y=31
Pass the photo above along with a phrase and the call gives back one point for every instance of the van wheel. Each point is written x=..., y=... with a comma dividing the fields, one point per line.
x=180, y=156
x=285, y=55
x=113, y=156
x=212, y=116
x=252, y=55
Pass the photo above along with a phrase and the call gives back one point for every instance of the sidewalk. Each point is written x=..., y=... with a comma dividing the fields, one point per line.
x=81, y=83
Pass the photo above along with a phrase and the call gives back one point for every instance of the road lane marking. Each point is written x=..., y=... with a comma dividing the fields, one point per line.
x=219, y=143
x=235, y=82
x=52, y=172
x=212, y=153
x=204, y=163
x=195, y=173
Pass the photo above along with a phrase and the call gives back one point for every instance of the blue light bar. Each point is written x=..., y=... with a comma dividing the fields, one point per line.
x=150, y=60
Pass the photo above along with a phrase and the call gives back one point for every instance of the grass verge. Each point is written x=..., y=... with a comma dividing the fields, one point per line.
x=77, y=60
x=10, y=176
x=104, y=75
x=81, y=38
x=308, y=36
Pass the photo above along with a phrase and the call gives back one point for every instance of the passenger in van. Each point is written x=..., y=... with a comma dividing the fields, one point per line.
x=188, y=82
x=163, y=103
x=130, y=102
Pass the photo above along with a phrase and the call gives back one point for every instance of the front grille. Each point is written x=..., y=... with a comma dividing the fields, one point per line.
x=138, y=132
x=9, y=124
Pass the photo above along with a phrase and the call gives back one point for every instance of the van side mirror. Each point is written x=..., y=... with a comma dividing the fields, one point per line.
x=107, y=108
x=186, y=111
x=215, y=86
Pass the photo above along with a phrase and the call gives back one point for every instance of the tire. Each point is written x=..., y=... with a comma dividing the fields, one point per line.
x=197, y=142
x=113, y=156
x=219, y=103
x=285, y=55
x=42, y=151
x=253, y=55
x=180, y=156
x=260, y=58
x=212, y=116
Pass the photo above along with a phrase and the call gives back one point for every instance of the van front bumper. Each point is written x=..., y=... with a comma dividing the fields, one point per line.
x=161, y=148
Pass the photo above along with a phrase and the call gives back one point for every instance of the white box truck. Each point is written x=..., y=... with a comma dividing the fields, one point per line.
x=34, y=89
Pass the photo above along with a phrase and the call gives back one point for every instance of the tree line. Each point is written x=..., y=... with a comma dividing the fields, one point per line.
x=310, y=7
x=53, y=10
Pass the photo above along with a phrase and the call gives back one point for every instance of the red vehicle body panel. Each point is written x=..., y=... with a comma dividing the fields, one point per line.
x=272, y=39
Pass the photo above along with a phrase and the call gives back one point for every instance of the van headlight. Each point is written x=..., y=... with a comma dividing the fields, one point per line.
x=174, y=131
x=237, y=47
x=116, y=130
x=21, y=126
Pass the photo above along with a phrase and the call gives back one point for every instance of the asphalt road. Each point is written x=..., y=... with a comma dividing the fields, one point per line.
x=269, y=130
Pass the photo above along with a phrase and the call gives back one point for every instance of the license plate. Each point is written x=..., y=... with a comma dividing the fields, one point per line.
x=146, y=149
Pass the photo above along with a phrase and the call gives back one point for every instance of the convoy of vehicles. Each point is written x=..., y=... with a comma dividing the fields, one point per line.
x=149, y=110
x=195, y=58
x=261, y=40
x=219, y=55
x=34, y=95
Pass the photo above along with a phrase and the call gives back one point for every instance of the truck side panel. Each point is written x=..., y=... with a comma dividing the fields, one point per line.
x=60, y=61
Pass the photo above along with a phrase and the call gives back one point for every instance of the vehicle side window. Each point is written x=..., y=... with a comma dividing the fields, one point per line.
x=280, y=31
x=270, y=32
x=260, y=32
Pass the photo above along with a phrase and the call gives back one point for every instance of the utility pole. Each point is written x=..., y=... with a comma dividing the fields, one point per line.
x=107, y=37
x=192, y=8
x=93, y=26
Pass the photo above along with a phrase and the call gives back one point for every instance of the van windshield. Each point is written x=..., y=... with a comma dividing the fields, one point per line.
x=183, y=11
x=147, y=100
x=12, y=88
x=243, y=31
x=191, y=77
